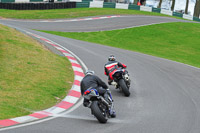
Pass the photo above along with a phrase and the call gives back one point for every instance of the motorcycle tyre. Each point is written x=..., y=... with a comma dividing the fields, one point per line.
x=98, y=113
x=124, y=87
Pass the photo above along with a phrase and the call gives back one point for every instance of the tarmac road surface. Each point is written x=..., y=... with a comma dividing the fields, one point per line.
x=165, y=95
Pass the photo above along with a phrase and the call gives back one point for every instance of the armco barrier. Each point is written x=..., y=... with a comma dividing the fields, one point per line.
x=196, y=19
x=82, y=4
x=177, y=14
x=108, y=5
x=133, y=7
x=36, y=6
x=7, y=1
x=156, y=10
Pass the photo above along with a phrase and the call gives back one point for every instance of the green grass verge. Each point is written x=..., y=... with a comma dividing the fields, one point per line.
x=32, y=78
x=174, y=41
x=70, y=13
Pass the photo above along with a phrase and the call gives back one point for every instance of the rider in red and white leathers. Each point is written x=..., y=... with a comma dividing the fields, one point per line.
x=111, y=67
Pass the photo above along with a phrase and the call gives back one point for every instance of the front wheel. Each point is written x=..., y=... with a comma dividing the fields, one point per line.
x=98, y=113
x=124, y=87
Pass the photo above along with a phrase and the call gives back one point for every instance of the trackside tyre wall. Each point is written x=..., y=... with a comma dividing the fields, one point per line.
x=36, y=6
x=97, y=112
x=124, y=87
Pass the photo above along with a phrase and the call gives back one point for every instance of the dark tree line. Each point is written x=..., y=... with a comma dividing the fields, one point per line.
x=186, y=7
x=196, y=8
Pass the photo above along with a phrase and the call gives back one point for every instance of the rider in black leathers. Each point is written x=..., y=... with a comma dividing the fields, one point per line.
x=91, y=80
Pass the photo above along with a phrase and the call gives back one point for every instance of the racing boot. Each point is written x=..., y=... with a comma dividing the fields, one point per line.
x=112, y=111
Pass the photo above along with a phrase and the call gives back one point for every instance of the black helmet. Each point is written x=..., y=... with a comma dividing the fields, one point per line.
x=111, y=58
x=89, y=72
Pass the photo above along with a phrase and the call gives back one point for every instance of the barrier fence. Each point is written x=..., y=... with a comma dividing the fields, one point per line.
x=37, y=6
x=11, y=4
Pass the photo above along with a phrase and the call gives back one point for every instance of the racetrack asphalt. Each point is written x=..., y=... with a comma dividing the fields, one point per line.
x=165, y=95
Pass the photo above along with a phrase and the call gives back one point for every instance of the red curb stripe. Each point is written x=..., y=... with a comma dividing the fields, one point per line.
x=69, y=57
x=8, y=122
x=63, y=51
x=44, y=39
x=79, y=73
x=96, y=18
x=64, y=105
x=35, y=35
x=76, y=65
x=45, y=113
x=74, y=93
x=76, y=82
x=38, y=115
x=53, y=45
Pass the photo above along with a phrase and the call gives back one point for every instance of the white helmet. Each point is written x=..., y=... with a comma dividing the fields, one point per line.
x=89, y=72
x=111, y=58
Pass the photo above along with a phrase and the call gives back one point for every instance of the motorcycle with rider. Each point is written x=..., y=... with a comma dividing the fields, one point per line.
x=117, y=75
x=97, y=97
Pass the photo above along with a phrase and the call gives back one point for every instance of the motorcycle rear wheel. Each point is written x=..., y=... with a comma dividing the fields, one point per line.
x=124, y=87
x=98, y=113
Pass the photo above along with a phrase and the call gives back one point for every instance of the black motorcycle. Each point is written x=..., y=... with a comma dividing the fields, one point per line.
x=122, y=81
x=100, y=108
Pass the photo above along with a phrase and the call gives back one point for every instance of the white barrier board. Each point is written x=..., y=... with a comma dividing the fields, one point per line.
x=146, y=8
x=121, y=6
x=166, y=12
x=20, y=1
x=185, y=16
x=98, y=4
x=74, y=0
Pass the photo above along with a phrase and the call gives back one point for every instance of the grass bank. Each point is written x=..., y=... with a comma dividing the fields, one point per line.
x=32, y=78
x=174, y=41
x=70, y=13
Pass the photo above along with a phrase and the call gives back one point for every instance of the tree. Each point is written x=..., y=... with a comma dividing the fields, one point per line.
x=186, y=7
x=159, y=5
x=173, y=4
x=197, y=8
x=135, y=2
